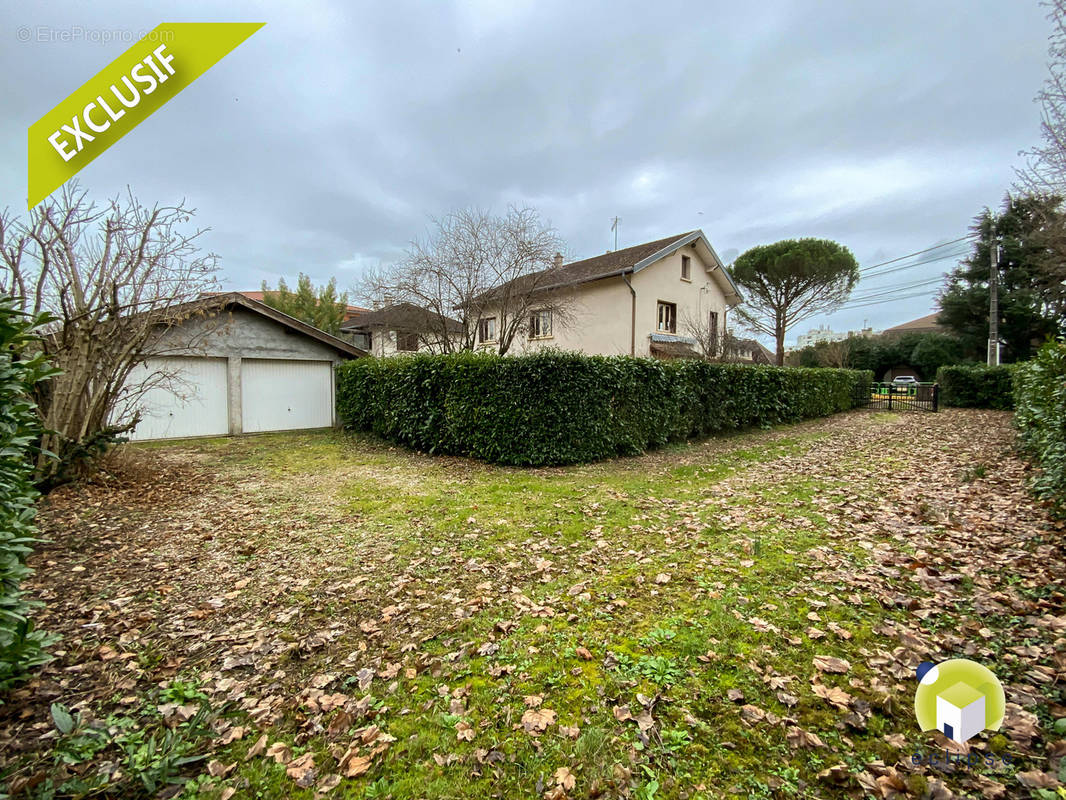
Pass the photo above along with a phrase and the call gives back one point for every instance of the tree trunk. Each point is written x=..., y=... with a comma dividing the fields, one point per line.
x=780, y=358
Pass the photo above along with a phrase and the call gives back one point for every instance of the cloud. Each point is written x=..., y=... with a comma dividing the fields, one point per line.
x=325, y=142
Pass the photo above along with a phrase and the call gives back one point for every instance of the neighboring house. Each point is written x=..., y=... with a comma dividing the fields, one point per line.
x=926, y=324
x=229, y=364
x=750, y=351
x=643, y=300
x=398, y=328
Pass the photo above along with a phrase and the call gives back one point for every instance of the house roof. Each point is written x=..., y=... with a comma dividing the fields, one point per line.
x=924, y=324
x=401, y=316
x=350, y=312
x=214, y=303
x=755, y=346
x=633, y=259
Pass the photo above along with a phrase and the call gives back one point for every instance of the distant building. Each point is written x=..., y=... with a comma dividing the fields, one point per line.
x=826, y=334
x=926, y=324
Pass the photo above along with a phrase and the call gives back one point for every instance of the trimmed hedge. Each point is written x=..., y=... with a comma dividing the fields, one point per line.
x=21, y=647
x=976, y=387
x=1040, y=415
x=562, y=408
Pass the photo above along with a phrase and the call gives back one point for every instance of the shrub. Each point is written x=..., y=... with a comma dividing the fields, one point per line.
x=21, y=647
x=976, y=387
x=564, y=408
x=1040, y=403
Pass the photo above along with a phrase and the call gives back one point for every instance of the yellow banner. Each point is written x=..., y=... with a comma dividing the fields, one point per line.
x=122, y=95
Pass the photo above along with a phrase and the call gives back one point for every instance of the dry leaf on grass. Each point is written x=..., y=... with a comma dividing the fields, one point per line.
x=536, y=720
x=831, y=664
x=565, y=778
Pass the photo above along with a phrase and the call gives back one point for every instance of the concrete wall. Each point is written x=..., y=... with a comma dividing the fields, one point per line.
x=601, y=313
x=242, y=333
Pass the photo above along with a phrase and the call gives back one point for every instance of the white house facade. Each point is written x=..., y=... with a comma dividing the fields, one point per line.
x=652, y=299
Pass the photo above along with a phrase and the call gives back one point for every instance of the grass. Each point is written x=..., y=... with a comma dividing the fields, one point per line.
x=655, y=584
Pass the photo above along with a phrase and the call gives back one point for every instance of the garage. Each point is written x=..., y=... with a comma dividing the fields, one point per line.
x=184, y=397
x=228, y=364
x=281, y=395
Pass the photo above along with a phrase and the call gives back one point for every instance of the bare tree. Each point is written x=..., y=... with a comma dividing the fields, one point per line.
x=835, y=354
x=473, y=265
x=713, y=344
x=1045, y=169
x=109, y=276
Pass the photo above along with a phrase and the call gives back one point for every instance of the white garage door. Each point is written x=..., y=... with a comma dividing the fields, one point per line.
x=186, y=397
x=286, y=395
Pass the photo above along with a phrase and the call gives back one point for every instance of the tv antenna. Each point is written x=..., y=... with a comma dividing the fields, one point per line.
x=614, y=227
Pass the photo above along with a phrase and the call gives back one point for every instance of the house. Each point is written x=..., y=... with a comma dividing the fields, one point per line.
x=926, y=324
x=751, y=351
x=227, y=364
x=960, y=712
x=398, y=328
x=653, y=299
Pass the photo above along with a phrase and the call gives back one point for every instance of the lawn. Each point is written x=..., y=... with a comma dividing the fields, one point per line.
x=311, y=614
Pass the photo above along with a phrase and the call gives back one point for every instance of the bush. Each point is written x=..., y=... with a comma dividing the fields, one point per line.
x=563, y=408
x=1040, y=403
x=976, y=387
x=21, y=647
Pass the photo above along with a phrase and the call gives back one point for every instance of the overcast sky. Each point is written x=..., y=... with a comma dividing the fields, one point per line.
x=324, y=143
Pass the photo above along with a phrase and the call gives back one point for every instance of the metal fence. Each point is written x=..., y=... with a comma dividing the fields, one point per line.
x=901, y=397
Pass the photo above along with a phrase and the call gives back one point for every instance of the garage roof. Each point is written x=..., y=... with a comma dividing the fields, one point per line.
x=223, y=302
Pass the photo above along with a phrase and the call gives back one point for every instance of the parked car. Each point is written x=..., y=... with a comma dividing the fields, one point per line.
x=904, y=384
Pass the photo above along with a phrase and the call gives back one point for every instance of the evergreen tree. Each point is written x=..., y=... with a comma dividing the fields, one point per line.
x=1028, y=313
x=322, y=307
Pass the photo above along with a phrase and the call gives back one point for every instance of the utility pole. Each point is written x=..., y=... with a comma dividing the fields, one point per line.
x=993, y=307
x=614, y=227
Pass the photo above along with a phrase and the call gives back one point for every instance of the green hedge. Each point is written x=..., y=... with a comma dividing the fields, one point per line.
x=1040, y=414
x=21, y=647
x=976, y=387
x=561, y=408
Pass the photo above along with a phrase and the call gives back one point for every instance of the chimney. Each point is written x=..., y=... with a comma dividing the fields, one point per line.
x=389, y=299
x=558, y=260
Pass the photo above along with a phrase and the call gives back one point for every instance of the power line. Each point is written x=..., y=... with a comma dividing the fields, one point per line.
x=919, y=252
x=885, y=291
x=864, y=304
x=945, y=257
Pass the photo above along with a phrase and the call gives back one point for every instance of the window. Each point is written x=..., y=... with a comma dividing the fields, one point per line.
x=486, y=330
x=712, y=329
x=686, y=268
x=406, y=342
x=540, y=324
x=667, y=318
x=362, y=340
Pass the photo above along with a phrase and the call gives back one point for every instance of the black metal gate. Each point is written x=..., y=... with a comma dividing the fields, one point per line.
x=901, y=397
